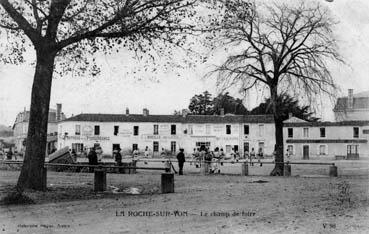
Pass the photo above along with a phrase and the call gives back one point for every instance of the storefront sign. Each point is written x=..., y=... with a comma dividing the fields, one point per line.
x=89, y=138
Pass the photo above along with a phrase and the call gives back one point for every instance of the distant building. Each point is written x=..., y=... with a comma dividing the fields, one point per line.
x=171, y=132
x=20, y=128
x=344, y=139
x=353, y=107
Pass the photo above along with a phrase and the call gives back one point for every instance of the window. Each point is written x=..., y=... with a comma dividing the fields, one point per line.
x=77, y=147
x=156, y=129
x=173, y=147
x=290, y=132
x=173, y=129
x=356, y=132
x=261, y=130
x=322, y=150
x=201, y=145
x=246, y=129
x=322, y=132
x=228, y=129
x=155, y=146
x=116, y=130
x=78, y=130
x=97, y=130
x=306, y=132
x=352, y=149
x=207, y=129
x=134, y=147
x=135, y=130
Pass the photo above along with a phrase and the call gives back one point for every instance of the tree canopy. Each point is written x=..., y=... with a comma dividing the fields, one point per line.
x=204, y=104
x=285, y=105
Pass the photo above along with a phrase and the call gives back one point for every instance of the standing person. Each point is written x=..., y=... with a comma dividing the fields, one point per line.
x=73, y=154
x=233, y=154
x=246, y=154
x=216, y=159
x=163, y=153
x=146, y=152
x=252, y=155
x=207, y=159
x=181, y=159
x=118, y=158
x=92, y=158
x=9, y=154
x=99, y=152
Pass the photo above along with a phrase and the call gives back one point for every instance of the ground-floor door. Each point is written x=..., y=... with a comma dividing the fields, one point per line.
x=305, y=152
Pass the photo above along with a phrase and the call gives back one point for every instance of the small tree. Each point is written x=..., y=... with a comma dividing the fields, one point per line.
x=278, y=46
x=65, y=31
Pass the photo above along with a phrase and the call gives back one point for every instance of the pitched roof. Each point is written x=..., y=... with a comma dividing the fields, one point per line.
x=328, y=124
x=360, y=102
x=172, y=118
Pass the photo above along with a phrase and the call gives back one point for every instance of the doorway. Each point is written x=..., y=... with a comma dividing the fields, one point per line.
x=305, y=152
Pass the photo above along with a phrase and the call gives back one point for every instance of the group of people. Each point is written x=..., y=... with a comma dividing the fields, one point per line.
x=210, y=157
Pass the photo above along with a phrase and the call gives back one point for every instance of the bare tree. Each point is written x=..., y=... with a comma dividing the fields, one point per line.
x=62, y=31
x=279, y=47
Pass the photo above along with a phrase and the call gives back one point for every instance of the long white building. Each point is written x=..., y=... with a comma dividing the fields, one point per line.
x=171, y=132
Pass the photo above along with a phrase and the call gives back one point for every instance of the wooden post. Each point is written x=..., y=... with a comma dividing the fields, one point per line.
x=287, y=170
x=244, y=169
x=100, y=180
x=205, y=167
x=167, y=183
x=333, y=171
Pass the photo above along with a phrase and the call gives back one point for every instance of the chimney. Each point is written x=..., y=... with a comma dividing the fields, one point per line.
x=145, y=112
x=127, y=111
x=58, y=111
x=290, y=115
x=221, y=111
x=350, y=99
x=184, y=113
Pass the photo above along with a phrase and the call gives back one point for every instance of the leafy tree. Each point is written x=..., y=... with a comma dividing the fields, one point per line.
x=230, y=105
x=285, y=105
x=65, y=32
x=201, y=104
x=277, y=46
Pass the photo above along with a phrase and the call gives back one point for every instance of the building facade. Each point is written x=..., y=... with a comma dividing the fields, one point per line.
x=345, y=139
x=20, y=128
x=353, y=107
x=168, y=132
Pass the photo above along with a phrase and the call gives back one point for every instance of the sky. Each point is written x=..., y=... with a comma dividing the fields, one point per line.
x=114, y=89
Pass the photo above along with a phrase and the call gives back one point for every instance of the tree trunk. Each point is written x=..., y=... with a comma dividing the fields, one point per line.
x=32, y=176
x=278, y=124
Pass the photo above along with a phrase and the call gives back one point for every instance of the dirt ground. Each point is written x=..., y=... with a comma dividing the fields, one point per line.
x=307, y=202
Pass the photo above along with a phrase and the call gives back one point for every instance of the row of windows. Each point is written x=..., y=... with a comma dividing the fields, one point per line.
x=323, y=149
x=322, y=132
x=173, y=129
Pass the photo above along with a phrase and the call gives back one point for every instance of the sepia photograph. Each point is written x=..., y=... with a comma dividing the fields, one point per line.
x=184, y=116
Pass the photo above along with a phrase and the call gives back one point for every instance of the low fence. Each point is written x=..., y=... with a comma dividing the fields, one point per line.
x=202, y=167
